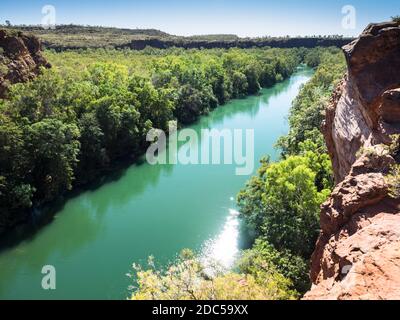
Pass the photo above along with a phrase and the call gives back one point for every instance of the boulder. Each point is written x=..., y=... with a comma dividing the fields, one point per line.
x=20, y=59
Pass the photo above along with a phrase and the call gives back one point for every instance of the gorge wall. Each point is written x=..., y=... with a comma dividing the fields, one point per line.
x=20, y=59
x=357, y=255
x=240, y=43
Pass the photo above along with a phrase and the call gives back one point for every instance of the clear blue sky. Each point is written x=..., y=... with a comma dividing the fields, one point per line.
x=241, y=17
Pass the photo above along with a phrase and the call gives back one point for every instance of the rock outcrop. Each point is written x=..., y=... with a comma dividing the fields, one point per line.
x=20, y=59
x=357, y=255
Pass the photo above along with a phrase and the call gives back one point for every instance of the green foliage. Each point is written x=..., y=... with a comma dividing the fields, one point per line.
x=54, y=147
x=15, y=191
x=3, y=66
x=308, y=109
x=186, y=279
x=394, y=176
x=192, y=103
x=394, y=182
x=282, y=202
x=263, y=256
x=93, y=156
x=394, y=148
x=319, y=162
x=239, y=84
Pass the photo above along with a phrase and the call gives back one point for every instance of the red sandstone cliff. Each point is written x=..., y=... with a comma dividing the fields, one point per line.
x=20, y=59
x=357, y=255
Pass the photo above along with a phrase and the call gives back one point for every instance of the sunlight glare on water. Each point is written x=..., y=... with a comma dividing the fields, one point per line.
x=222, y=251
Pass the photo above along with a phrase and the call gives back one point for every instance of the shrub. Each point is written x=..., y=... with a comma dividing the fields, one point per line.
x=186, y=279
x=263, y=256
x=394, y=182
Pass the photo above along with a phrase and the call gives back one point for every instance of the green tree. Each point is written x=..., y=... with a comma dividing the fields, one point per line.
x=268, y=76
x=156, y=105
x=282, y=203
x=92, y=156
x=15, y=190
x=220, y=82
x=239, y=84
x=252, y=76
x=263, y=256
x=190, y=105
x=54, y=147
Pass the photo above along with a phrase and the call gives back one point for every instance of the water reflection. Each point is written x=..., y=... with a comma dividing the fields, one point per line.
x=222, y=251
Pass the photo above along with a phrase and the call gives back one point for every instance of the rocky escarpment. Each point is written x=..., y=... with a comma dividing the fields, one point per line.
x=20, y=59
x=188, y=43
x=358, y=252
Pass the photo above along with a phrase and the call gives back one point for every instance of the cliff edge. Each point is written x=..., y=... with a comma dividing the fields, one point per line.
x=357, y=255
x=20, y=59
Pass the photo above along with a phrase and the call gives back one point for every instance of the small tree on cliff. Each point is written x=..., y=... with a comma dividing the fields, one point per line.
x=394, y=182
x=394, y=177
x=396, y=18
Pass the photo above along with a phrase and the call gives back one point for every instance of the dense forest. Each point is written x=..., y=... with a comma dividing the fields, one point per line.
x=94, y=107
x=280, y=205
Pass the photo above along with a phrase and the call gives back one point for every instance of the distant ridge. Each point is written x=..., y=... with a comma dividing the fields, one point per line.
x=70, y=37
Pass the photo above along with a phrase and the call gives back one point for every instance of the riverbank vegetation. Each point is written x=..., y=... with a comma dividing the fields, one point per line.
x=280, y=205
x=94, y=107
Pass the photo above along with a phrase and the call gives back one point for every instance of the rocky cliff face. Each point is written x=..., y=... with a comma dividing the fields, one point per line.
x=241, y=43
x=358, y=252
x=20, y=59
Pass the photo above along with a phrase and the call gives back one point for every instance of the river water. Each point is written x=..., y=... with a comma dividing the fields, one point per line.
x=94, y=237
